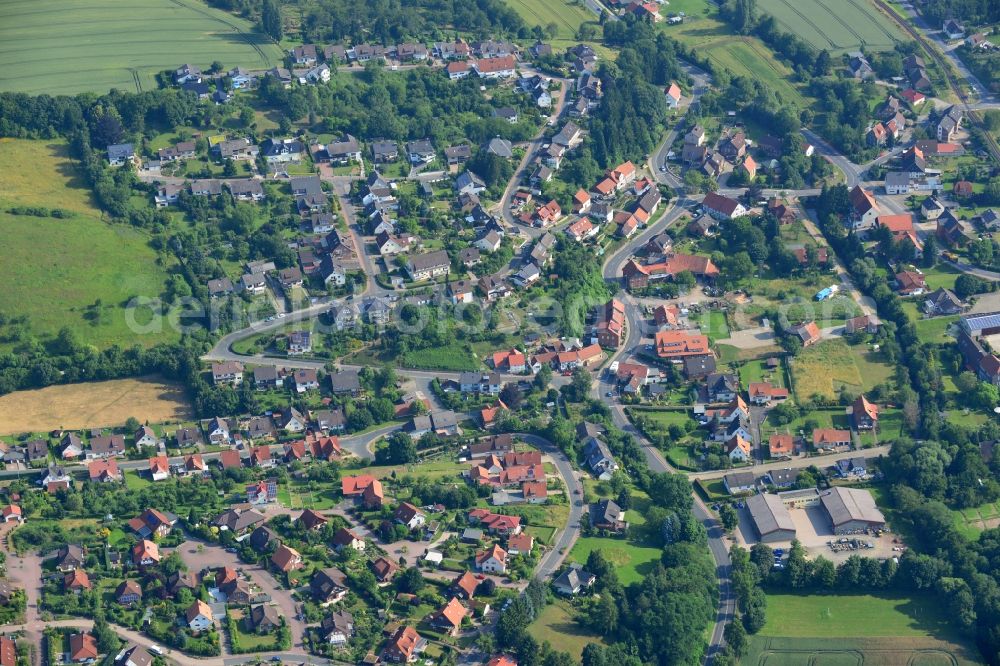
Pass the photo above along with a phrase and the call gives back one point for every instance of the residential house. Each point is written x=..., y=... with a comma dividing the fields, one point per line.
x=722, y=207
x=83, y=648
x=864, y=414
x=286, y=559
x=909, y=283
x=573, y=581
x=607, y=515
x=306, y=380
x=428, y=266
x=831, y=438
x=492, y=560
x=199, y=616
x=159, y=468
x=943, y=302
x=404, y=646
x=329, y=585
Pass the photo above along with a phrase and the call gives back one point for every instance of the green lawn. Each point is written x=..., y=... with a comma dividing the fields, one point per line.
x=822, y=418
x=566, y=15
x=557, y=626
x=78, y=271
x=664, y=418
x=855, y=615
x=631, y=561
x=67, y=47
x=753, y=372
x=940, y=276
x=933, y=330
x=713, y=324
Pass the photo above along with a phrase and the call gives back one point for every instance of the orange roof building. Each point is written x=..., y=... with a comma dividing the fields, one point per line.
x=781, y=445
x=679, y=344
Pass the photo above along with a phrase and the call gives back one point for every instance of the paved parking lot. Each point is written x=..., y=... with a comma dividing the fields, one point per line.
x=813, y=530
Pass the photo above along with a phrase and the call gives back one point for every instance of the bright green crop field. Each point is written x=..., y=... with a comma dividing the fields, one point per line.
x=72, y=46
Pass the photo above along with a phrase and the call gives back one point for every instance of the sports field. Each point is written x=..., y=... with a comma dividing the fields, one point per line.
x=835, y=25
x=72, y=46
x=567, y=15
x=887, y=630
x=76, y=271
x=93, y=404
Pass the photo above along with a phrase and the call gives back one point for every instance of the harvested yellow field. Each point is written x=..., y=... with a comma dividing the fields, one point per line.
x=94, y=404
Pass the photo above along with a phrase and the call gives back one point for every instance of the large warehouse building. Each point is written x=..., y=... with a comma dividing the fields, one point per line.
x=851, y=510
x=770, y=518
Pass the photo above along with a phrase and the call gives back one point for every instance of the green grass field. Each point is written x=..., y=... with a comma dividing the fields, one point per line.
x=835, y=25
x=566, y=15
x=885, y=629
x=972, y=521
x=67, y=46
x=631, y=561
x=57, y=269
x=933, y=330
x=557, y=626
x=862, y=615
x=745, y=56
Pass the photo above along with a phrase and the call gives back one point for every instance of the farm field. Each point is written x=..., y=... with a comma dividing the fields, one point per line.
x=67, y=47
x=836, y=25
x=75, y=261
x=850, y=651
x=826, y=367
x=567, y=15
x=746, y=56
x=93, y=404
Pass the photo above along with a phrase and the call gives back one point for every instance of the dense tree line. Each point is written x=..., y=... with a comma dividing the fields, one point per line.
x=627, y=124
x=384, y=21
x=975, y=12
x=408, y=105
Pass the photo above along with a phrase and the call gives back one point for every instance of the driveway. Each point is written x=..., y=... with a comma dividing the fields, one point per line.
x=211, y=557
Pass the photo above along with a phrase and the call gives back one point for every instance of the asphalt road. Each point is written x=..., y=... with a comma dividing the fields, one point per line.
x=554, y=558
x=612, y=271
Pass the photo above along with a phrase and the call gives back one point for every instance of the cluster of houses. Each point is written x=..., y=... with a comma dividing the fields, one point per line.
x=515, y=477
x=731, y=153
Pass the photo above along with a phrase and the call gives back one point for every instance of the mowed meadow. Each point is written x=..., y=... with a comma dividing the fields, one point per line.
x=77, y=271
x=68, y=46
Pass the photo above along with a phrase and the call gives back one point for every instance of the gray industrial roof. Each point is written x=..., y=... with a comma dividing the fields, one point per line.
x=977, y=322
x=769, y=514
x=847, y=504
